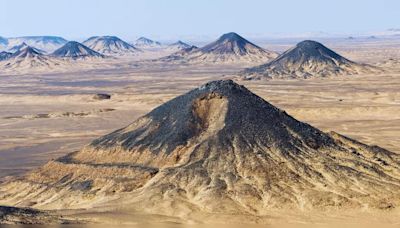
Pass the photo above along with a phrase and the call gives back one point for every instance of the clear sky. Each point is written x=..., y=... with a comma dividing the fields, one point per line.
x=166, y=19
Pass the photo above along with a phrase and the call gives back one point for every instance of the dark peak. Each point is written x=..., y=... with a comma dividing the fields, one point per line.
x=143, y=40
x=75, y=50
x=179, y=42
x=109, y=38
x=230, y=43
x=309, y=49
x=309, y=44
x=231, y=36
x=105, y=39
x=221, y=85
x=73, y=44
x=29, y=49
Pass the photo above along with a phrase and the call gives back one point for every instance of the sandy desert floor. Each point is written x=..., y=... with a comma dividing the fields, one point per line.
x=46, y=115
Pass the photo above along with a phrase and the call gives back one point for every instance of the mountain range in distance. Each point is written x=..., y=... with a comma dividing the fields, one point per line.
x=307, y=59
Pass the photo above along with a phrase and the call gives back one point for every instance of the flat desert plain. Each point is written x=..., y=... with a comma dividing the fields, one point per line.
x=47, y=114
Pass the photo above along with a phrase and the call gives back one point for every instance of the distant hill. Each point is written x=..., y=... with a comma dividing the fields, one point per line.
x=230, y=48
x=27, y=58
x=179, y=45
x=110, y=45
x=307, y=59
x=144, y=43
x=45, y=43
x=76, y=50
x=23, y=45
x=179, y=55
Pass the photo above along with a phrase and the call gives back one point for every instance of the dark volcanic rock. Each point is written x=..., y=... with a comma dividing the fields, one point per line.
x=307, y=59
x=26, y=52
x=144, y=42
x=75, y=50
x=261, y=121
x=102, y=96
x=217, y=149
x=229, y=48
x=15, y=215
x=229, y=43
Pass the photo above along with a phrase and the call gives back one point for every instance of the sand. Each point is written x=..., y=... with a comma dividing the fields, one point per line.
x=364, y=107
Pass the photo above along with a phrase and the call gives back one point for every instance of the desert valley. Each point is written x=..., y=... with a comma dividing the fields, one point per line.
x=280, y=131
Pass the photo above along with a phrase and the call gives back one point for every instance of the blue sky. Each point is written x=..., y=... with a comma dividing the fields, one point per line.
x=164, y=19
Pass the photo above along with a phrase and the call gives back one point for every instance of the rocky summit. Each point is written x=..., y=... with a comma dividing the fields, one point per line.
x=216, y=149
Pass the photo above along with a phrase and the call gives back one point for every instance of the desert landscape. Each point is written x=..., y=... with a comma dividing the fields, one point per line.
x=288, y=132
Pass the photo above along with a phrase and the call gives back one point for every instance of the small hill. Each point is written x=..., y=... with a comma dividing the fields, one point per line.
x=179, y=55
x=27, y=58
x=179, y=45
x=23, y=45
x=307, y=59
x=46, y=43
x=76, y=50
x=146, y=43
x=230, y=48
x=110, y=45
x=218, y=149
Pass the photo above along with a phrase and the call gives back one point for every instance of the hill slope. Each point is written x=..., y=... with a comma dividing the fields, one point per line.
x=27, y=58
x=307, y=59
x=75, y=50
x=216, y=149
x=179, y=45
x=110, y=45
x=19, y=47
x=230, y=48
x=145, y=43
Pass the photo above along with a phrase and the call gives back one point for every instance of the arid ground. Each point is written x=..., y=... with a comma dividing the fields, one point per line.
x=44, y=115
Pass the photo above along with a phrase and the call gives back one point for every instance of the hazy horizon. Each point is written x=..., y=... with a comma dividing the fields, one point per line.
x=206, y=19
